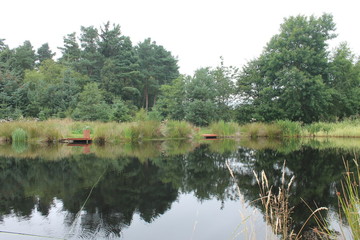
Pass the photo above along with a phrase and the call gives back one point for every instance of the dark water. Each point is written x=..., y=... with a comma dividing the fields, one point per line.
x=162, y=190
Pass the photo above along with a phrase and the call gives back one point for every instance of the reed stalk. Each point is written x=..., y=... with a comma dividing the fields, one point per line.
x=349, y=200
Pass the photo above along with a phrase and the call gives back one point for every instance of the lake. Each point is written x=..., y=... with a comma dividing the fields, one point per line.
x=165, y=190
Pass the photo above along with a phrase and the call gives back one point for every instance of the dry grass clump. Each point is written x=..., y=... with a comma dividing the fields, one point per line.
x=110, y=132
x=178, y=129
x=278, y=212
x=258, y=129
x=277, y=209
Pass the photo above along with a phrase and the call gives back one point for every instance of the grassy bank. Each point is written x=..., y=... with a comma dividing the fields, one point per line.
x=55, y=129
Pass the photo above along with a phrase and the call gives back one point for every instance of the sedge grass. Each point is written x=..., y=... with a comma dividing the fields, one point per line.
x=178, y=130
x=19, y=135
x=225, y=129
x=254, y=130
x=349, y=200
x=54, y=129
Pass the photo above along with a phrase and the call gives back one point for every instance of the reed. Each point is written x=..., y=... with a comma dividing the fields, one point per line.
x=19, y=135
x=289, y=128
x=225, y=129
x=178, y=130
x=254, y=130
x=349, y=200
x=109, y=132
x=276, y=206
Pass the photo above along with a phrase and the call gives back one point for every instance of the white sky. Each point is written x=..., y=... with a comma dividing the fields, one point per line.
x=198, y=32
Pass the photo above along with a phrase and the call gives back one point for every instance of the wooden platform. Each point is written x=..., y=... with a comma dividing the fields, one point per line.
x=85, y=140
x=76, y=140
x=210, y=136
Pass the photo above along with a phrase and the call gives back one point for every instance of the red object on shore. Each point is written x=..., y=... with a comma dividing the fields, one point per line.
x=210, y=136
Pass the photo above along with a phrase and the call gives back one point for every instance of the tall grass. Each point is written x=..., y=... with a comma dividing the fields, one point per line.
x=276, y=206
x=346, y=128
x=289, y=128
x=350, y=199
x=225, y=129
x=55, y=129
x=19, y=136
x=51, y=130
x=109, y=132
x=178, y=129
x=258, y=129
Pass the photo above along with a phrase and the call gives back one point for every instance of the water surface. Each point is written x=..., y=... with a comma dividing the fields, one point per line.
x=162, y=190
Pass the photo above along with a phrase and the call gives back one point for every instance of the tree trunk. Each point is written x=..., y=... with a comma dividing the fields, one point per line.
x=146, y=98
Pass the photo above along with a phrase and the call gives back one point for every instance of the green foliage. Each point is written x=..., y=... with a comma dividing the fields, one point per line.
x=157, y=67
x=295, y=78
x=171, y=103
x=290, y=78
x=19, y=135
x=91, y=105
x=314, y=128
x=141, y=115
x=155, y=114
x=120, y=111
x=201, y=113
x=44, y=53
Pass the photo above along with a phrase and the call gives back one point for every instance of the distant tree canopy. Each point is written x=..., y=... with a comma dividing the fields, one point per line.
x=97, y=61
x=101, y=75
x=296, y=77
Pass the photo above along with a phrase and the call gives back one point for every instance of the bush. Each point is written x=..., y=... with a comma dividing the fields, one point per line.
x=141, y=115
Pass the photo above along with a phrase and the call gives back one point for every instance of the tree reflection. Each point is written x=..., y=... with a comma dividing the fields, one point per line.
x=122, y=186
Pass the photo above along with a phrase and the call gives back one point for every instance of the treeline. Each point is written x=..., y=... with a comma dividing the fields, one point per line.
x=102, y=76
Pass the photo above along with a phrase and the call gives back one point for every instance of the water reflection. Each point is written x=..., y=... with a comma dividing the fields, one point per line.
x=107, y=186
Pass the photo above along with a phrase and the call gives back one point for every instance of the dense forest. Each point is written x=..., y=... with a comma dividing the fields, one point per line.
x=101, y=75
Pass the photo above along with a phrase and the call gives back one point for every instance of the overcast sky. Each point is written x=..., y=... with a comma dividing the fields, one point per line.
x=198, y=32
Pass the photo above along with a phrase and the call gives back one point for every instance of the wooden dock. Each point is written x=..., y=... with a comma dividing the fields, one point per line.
x=86, y=139
x=210, y=136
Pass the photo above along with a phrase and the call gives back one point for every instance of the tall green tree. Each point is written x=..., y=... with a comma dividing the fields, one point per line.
x=157, y=67
x=172, y=100
x=344, y=80
x=23, y=58
x=110, y=40
x=201, y=108
x=120, y=73
x=71, y=50
x=51, y=91
x=91, y=60
x=44, y=52
x=91, y=105
x=288, y=79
